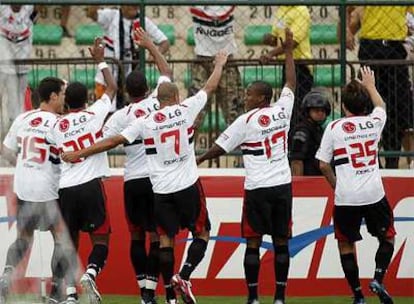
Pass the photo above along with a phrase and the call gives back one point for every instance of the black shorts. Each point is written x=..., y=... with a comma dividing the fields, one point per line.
x=139, y=205
x=183, y=209
x=37, y=215
x=268, y=211
x=83, y=208
x=378, y=218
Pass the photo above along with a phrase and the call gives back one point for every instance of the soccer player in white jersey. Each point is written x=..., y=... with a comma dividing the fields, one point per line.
x=352, y=143
x=36, y=181
x=81, y=191
x=179, y=198
x=138, y=194
x=262, y=135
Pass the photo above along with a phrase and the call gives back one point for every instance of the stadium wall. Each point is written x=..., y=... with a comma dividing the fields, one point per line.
x=315, y=267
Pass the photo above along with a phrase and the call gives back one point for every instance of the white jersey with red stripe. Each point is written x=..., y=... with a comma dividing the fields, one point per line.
x=262, y=134
x=213, y=29
x=78, y=130
x=36, y=178
x=352, y=142
x=135, y=162
x=168, y=140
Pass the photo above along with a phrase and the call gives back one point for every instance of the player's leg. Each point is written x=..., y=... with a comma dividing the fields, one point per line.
x=96, y=222
x=52, y=221
x=139, y=206
x=167, y=227
x=281, y=265
x=17, y=250
x=134, y=214
x=281, y=219
x=194, y=216
x=251, y=265
x=256, y=221
x=153, y=265
x=347, y=221
x=71, y=215
x=96, y=262
x=379, y=220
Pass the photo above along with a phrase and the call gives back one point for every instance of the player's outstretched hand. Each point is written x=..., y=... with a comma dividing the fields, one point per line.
x=70, y=157
x=97, y=50
x=367, y=77
x=221, y=58
x=141, y=38
x=289, y=42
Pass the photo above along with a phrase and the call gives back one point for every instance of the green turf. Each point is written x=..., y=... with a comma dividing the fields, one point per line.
x=263, y=300
x=214, y=300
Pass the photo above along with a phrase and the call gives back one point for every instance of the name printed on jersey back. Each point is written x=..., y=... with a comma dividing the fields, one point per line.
x=73, y=127
x=161, y=117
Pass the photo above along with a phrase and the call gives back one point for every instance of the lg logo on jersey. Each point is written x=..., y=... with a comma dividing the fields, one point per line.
x=36, y=122
x=139, y=113
x=64, y=125
x=350, y=127
x=160, y=117
x=264, y=120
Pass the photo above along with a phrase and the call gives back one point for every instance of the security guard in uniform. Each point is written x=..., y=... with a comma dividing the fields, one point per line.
x=307, y=135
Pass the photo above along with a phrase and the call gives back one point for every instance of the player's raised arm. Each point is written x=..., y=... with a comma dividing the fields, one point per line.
x=97, y=53
x=214, y=79
x=142, y=39
x=368, y=81
x=290, y=72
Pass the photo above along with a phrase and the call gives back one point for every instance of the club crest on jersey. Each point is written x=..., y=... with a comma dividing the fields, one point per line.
x=64, y=125
x=159, y=117
x=349, y=127
x=139, y=113
x=264, y=120
x=36, y=122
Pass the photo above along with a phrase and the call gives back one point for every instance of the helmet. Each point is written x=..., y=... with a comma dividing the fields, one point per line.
x=316, y=99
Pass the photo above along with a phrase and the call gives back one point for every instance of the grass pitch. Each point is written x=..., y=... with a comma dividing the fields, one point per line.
x=114, y=299
x=263, y=300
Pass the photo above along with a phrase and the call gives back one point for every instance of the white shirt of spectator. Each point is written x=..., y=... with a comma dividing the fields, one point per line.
x=262, y=135
x=108, y=18
x=136, y=162
x=213, y=28
x=38, y=165
x=353, y=144
x=16, y=35
x=78, y=130
x=168, y=139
